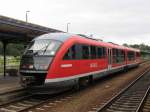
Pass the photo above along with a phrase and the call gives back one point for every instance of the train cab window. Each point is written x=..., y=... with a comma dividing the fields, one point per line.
x=43, y=47
x=85, y=52
x=70, y=54
x=93, y=52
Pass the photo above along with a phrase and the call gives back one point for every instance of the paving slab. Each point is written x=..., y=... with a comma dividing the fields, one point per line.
x=9, y=83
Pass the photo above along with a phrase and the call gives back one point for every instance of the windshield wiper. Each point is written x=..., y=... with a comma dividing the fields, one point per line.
x=46, y=48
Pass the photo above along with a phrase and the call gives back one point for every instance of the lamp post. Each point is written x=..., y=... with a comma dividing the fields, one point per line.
x=27, y=15
x=68, y=27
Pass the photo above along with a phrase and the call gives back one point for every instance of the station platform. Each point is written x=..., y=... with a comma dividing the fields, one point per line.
x=9, y=83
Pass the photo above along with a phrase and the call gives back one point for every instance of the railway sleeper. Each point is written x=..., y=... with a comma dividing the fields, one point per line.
x=125, y=105
x=121, y=109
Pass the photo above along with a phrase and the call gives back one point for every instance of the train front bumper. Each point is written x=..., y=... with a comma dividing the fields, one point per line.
x=36, y=83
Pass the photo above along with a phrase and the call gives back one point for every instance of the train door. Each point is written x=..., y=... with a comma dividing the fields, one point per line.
x=109, y=59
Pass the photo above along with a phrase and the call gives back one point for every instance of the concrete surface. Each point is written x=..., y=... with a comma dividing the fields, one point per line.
x=9, y=83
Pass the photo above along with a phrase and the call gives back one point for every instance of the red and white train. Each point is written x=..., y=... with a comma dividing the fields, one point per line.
x=61, y=59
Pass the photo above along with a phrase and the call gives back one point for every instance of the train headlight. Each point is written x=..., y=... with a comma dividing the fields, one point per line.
x=30, y=66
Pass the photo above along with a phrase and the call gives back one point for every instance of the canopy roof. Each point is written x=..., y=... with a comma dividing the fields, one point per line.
x=12, y=30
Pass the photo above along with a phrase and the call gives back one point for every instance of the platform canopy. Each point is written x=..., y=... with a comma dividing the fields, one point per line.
x=17, y=31
x=13, y=30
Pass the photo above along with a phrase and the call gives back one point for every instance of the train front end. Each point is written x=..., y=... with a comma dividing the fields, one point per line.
x=37, y=59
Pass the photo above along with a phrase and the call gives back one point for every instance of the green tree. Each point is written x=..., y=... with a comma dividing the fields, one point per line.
x=12, y=49
x=142, y=46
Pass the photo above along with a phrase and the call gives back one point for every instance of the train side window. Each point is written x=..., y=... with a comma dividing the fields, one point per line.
x=99, y=52
x=118, y=56
x=67, y=55
x=114, y=55
x=104, y=52
x=93, y=52
x=71, y=53
x=121, y=56
x=78, y=51
x=131, y=56
x=85, y=52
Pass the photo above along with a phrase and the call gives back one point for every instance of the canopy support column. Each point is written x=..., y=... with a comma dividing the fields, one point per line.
x=4, y=54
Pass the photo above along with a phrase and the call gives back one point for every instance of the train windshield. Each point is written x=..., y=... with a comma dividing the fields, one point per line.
x=43, y=47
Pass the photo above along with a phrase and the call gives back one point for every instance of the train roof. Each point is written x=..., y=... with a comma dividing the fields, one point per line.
x=56, y=36
x=111, y=44
x=98, y=41
x=132, y=49
x=65, y=36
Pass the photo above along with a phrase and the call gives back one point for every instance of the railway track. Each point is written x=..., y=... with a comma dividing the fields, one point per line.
x=14, y=95
x=23, y=104
x=134, y=98
x=33, y=101
x=146, y=105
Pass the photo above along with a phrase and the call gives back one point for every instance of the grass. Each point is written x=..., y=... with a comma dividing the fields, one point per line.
x=11, y=62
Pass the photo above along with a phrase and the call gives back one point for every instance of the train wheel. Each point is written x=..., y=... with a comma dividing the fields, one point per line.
x=125, y=69
x=76, y=87
x=90, y=79
x=85, y=81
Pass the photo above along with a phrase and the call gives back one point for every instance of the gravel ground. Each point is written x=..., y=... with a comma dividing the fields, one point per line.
x=93, y=97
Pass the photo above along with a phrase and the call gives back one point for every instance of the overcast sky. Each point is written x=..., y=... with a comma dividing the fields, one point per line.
x=119, y=21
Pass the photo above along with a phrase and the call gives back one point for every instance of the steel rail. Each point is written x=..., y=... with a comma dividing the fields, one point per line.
x=143, y=100
x=111, y=101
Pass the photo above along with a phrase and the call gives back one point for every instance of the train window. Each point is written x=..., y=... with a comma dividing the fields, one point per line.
x=71, y=53
x=118, y=55
x=131, y=56
x=99, y=52
x=121, y=56
x=67, y=55
x=43, y=47
x=85, y=52
x=104, y=52
x=93, y=52
x=114, y=55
